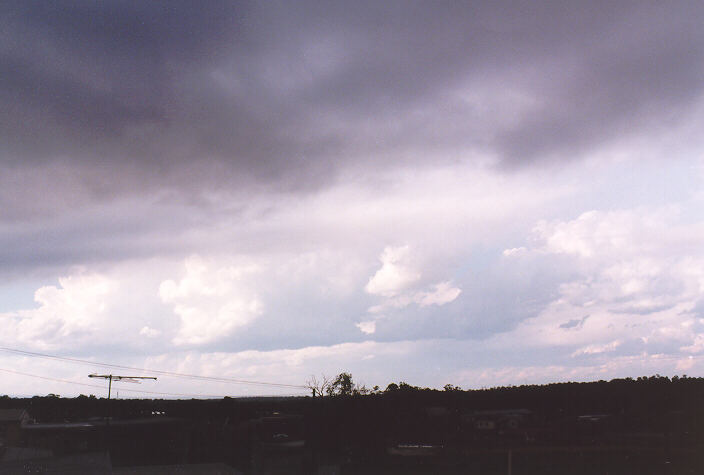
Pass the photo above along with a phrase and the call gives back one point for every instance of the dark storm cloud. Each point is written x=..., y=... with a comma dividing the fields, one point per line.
x=136, y=95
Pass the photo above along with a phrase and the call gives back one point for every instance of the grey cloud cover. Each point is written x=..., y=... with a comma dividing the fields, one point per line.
x=143, y=95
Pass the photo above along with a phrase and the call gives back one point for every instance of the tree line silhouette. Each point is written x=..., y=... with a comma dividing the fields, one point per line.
x=357, y=423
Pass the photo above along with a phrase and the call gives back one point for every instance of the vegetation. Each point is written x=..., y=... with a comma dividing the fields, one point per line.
x=656, y=419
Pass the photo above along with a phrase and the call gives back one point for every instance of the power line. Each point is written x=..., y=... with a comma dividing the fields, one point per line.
x=47, y=378
x=145, y=370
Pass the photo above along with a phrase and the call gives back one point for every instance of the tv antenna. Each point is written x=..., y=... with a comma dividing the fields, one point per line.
x=114, y=377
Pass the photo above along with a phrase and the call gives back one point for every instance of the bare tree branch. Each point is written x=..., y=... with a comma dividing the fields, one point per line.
x=320, y=387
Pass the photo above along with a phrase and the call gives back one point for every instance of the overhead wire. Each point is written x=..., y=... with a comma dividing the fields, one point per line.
x=146, y=370
x=66, y=381
x=48, y=378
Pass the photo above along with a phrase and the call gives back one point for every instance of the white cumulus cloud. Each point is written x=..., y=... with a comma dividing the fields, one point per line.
x=149, y=332
x=636, y=283
x=441, y=294
x=211, y=302
x=395, y=274
x=76, y=310
x=367, y=327
x=400, y=286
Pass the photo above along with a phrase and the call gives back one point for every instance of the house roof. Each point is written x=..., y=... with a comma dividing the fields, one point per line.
x=13, y=454
x=92, y=463
x=186, y=469
x=12, y=415
x=504, y=412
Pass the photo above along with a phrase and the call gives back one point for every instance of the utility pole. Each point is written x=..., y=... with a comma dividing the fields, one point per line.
x=114, y=377
x=510, y=467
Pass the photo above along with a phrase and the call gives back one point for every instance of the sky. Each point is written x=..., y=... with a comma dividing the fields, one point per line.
x=472, y=193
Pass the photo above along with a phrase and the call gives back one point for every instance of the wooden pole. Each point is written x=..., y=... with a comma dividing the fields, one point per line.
x=510, y=456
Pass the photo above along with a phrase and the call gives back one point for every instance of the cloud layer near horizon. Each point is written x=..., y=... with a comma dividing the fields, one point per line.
x=452, y=192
